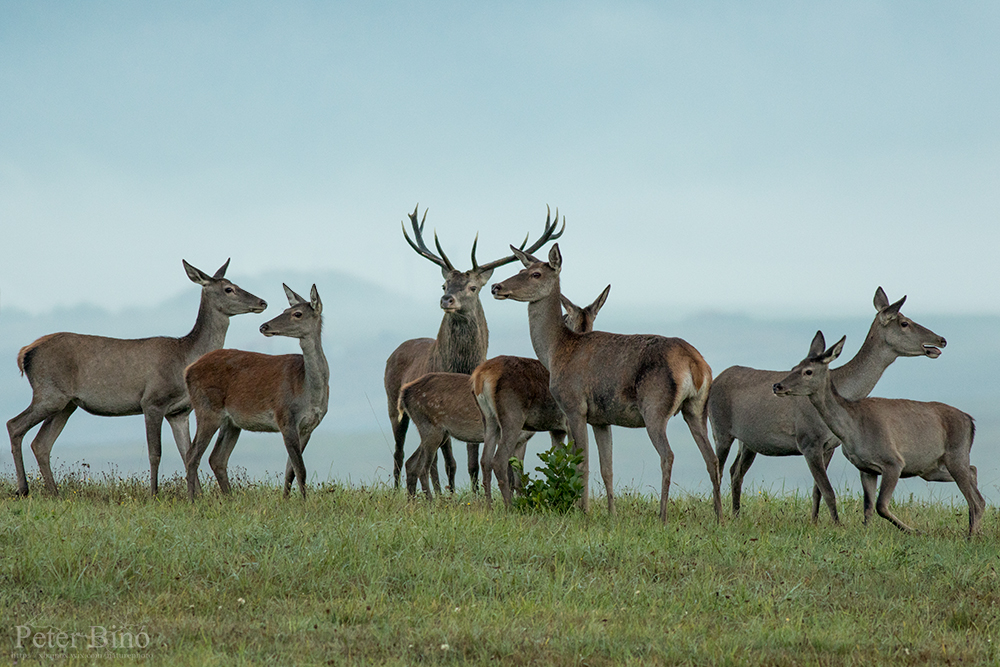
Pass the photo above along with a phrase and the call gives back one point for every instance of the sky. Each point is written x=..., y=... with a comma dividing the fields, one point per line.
x=770, y=158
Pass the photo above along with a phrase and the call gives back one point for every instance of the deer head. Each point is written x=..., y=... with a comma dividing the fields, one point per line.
x=534, y=282
x=226, y=297
x=901, y=334
x=461, y=288
x=813, y=372
x=302, y=318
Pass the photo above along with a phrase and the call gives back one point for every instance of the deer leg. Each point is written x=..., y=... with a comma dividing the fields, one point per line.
x=181, y=428
x=219, y=458
x=154, y=425
x=510, y=434
x=491, y=441
x=723, y=443
x=744, y=458
x=696, y=419
x=42, y=445
x=298, y=467
x=657, y=432
x=602, y=437
x=17, y=427
x=961, y=472
x=289, y=468
x=869, y=481
x=473, y=450
x=449, y=463
x=208, y=424
x=421, y=462
x=817, y=460
x=890, y=477
x=399, y=438
x=577, y=427
x=519, y=451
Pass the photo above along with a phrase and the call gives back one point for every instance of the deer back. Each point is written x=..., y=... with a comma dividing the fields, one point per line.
x=444, y=401
x=258, y=392
x=617, y=375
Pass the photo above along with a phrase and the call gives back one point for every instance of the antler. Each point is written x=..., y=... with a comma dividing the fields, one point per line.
x=421, y=247
x=548, y=234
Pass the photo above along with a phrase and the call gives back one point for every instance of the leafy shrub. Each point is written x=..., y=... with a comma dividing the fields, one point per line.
x=562, y=485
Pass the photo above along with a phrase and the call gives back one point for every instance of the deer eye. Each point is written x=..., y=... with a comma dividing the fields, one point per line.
x=297, y=314
x=229, y=290
x=536, y=274
x=444, y=287
x=904, y=324
x=809, y=371
x=472, y=288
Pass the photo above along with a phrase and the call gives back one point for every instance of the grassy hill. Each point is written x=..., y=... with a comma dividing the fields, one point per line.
x=362, y=575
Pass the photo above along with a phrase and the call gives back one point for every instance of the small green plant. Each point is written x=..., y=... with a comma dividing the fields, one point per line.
x=562, y=485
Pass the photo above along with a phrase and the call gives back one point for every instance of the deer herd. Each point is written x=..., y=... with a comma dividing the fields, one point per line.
x=450, y=390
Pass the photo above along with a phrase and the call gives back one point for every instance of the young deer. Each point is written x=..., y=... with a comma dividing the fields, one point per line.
x=742, y=406
x=513, y=396
x=607, y=379
x=113, y=377
x=442, y=405
x=889, y=437
x=233, y=390
x=461, y=342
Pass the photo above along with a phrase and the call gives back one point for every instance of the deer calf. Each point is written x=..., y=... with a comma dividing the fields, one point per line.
x=113, y=377
x=889, y=437
x=232, y=390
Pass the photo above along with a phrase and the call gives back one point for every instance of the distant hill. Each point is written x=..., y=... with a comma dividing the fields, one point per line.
x=365, y=322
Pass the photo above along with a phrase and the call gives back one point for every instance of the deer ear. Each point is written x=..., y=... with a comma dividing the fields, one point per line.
x=555, y=257
x=817, y=346
x=482, y=277
x=525, y=258
x=567, y=304
x=314, y=300
x=221, y=273
x=196, y=275
x=293, y=298
x=891, y=312
x=881, y=300
x=833, y=352
x=595, y=307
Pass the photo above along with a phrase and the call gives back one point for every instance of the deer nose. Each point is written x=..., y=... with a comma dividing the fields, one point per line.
x=776, y=387
x=495, y=288
x=264, y=328
x=447, y=301
x=263, y=304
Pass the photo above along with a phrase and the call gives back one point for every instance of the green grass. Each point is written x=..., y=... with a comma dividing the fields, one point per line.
x=367, y=576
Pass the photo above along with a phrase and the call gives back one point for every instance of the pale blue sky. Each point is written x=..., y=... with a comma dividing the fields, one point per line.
x=766, y=158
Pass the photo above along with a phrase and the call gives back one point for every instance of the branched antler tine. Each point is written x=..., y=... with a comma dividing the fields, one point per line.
x=437, y=244
x=549, y=234
x=420, y=247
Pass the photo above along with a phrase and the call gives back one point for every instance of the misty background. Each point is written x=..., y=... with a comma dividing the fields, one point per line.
x=742, y=175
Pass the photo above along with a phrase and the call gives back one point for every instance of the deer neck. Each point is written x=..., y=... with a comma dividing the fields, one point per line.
x=317, y=380
x=462, y=341
x=545, y=323
x=858, y=377
x=209, y=331
x=836, y=411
